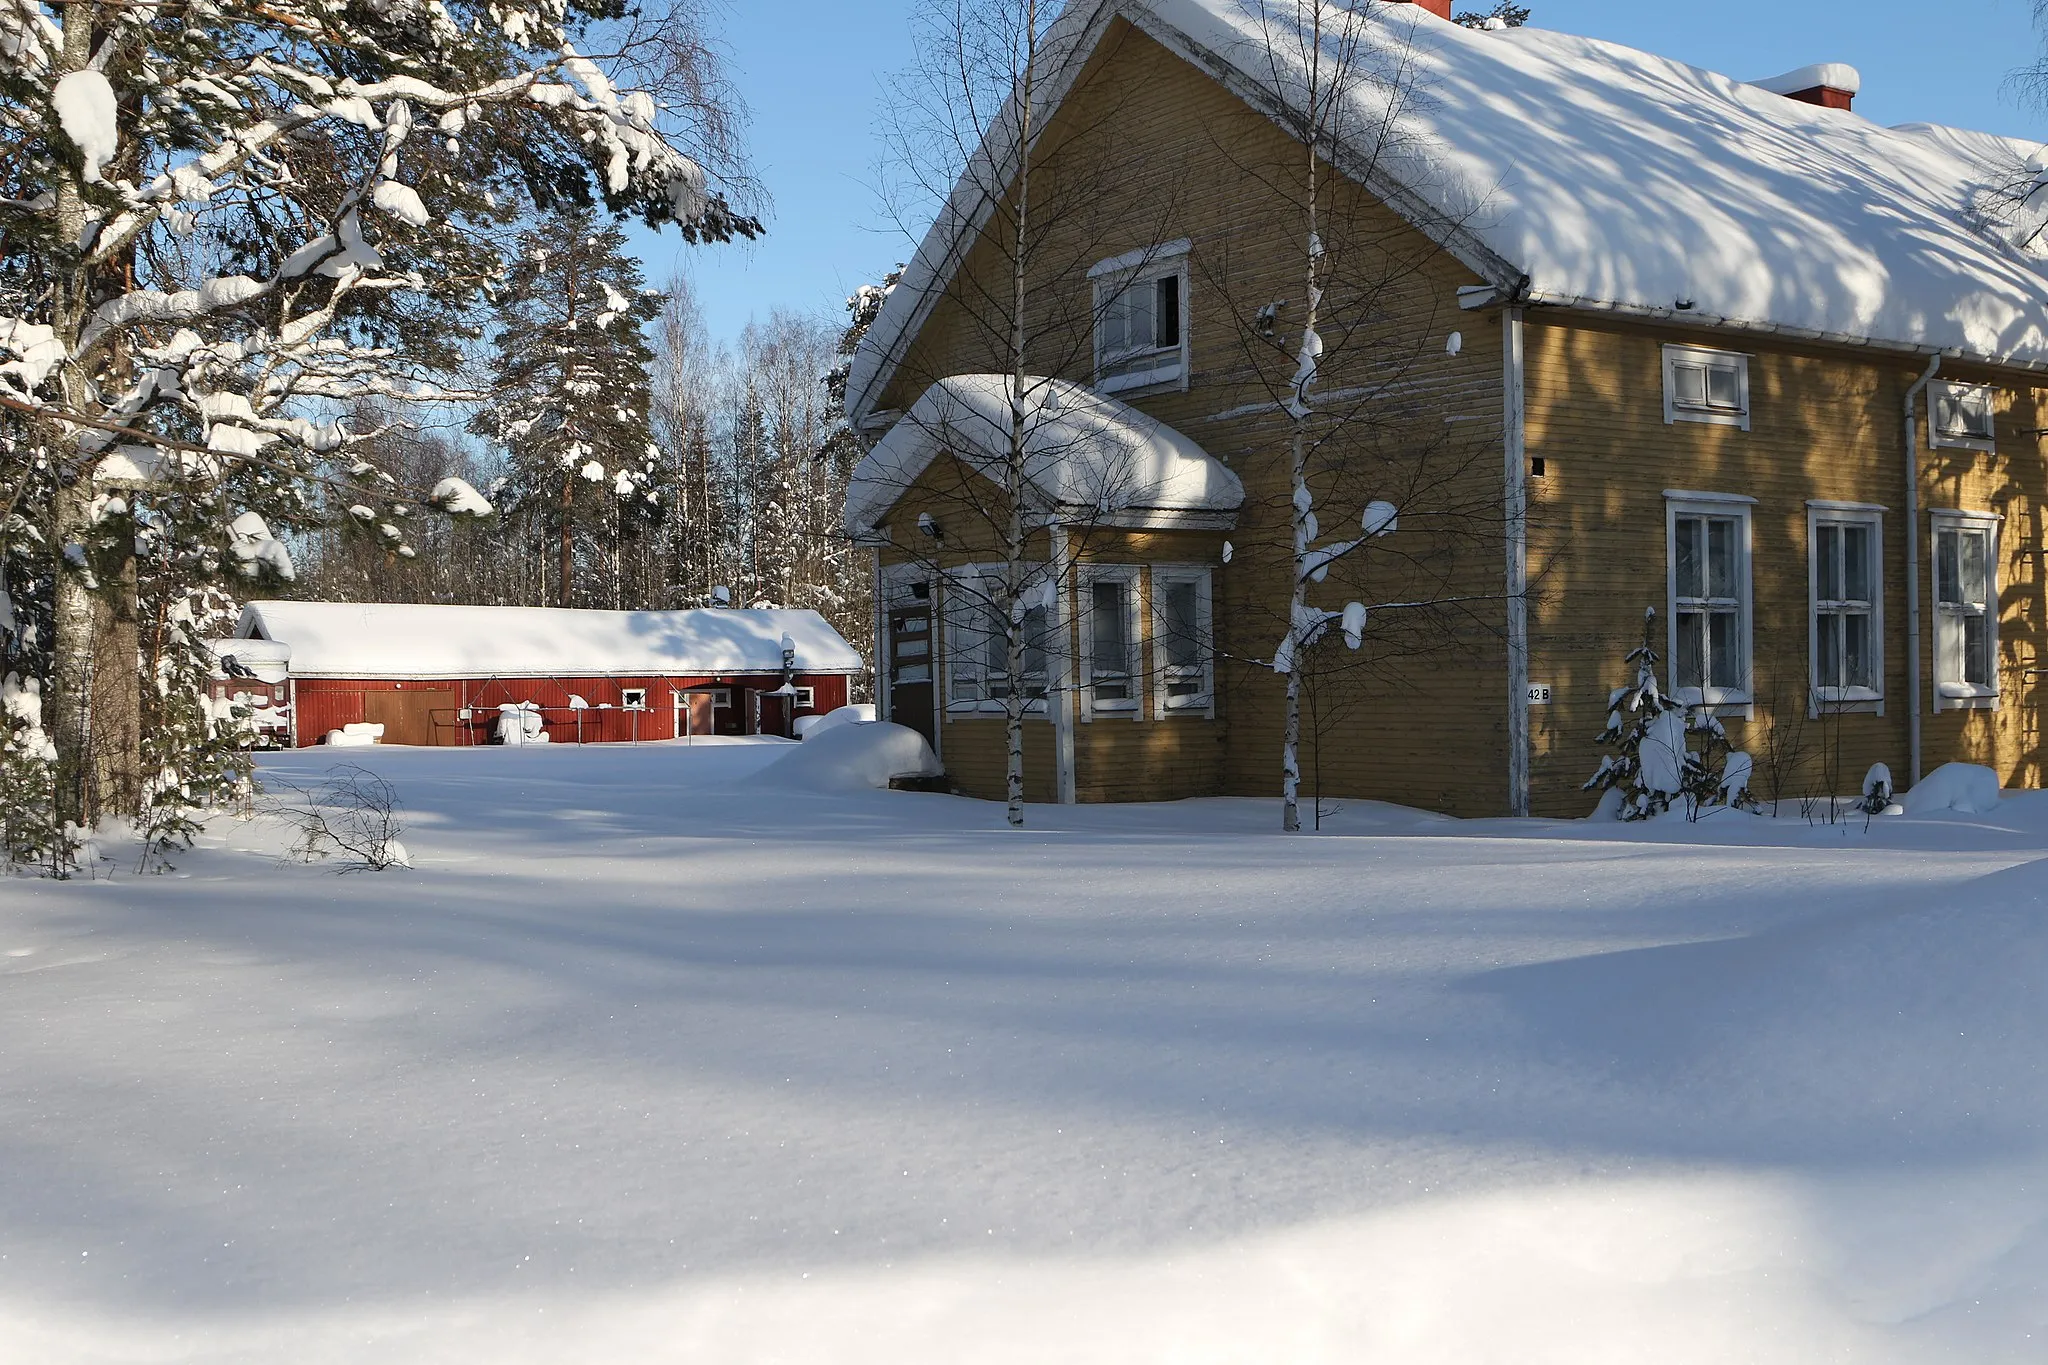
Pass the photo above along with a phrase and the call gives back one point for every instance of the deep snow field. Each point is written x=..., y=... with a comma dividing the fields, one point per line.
x=650, y=1058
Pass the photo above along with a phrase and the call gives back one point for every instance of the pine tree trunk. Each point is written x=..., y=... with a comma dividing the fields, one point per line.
x=116, y=703
x=566, y=546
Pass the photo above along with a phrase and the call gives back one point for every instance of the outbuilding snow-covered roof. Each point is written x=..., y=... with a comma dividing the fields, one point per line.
x=1085, y=454
x=387, y=640
x=1618, y=180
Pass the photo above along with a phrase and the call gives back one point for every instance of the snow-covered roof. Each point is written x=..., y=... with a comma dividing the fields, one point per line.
x=1085, y=454
x=386, y=640
x=1618, y=180
x=265, y=659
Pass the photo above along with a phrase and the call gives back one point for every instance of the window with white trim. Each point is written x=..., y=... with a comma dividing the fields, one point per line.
x=1706, y=386
x=1183, y=642
x=806, y=699
x=1708, y=545
x=633, y=698
x=1965, y=609
x=1961, y=415
x=1141, y=333
x=1845, y=546
x=978, y=645
x=1111, y=678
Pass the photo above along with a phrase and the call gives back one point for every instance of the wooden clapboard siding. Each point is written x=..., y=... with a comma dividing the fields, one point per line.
x=1417, y=716
x=1826, y=424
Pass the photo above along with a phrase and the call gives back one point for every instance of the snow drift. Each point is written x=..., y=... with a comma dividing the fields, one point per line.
x=1965, y=788
x=1909, y=1025
x=852, y=757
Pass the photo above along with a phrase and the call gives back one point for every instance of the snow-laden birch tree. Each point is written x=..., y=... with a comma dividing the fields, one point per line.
x=221, y=222
x=1345, y=80
x=969, y=144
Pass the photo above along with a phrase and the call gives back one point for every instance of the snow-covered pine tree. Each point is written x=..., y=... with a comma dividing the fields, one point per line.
x=219, y=225
x=1506, y=14
x=570, y=398
x=1646, y=729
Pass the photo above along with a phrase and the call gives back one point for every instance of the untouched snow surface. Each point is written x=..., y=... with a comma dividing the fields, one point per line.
x=650, y=1060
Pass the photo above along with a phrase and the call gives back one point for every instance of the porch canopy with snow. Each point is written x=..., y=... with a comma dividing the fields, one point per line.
x=1088, y=460
x=1122, y=519
x=438, y=675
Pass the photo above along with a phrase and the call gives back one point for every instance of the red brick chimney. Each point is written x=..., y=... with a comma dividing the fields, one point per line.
x=1440, y=8
x=1831, y=85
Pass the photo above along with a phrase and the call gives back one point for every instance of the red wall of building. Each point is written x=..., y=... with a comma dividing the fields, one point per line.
x=324, y=704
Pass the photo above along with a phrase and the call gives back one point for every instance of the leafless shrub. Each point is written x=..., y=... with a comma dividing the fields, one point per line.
x=350, y=821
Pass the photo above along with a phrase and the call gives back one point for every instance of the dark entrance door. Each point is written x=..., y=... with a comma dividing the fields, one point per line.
x=910, y=669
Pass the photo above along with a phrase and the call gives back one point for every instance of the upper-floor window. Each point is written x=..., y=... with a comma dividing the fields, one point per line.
x=1965, y=609
x=1708, y=544
x=1141, y=334
x=1183, y=644
x=1960, y=415
x=1706, y=386
x=1847, y=610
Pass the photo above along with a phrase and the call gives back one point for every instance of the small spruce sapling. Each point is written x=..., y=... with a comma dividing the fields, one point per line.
x=1646, y=730
x=1654, y=763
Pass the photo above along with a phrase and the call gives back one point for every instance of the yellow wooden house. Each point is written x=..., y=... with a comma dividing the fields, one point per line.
x=1614, y=334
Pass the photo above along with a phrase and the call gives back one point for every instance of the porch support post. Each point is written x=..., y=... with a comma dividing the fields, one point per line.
x=1062, y=699
x=880, y=673
x=1515, y=495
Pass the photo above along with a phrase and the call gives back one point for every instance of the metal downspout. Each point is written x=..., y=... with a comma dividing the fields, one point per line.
x=1913, y=564
x=1515, y=492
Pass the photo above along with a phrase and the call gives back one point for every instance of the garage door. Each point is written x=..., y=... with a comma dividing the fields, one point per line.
x=407, y=717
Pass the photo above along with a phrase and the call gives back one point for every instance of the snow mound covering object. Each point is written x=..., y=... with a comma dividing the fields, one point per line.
x=852, y=758
x=1965, y=788
x=361, y=735
x=521, y=722
x=85, y=107
x=1833, y=75
x=807, y=726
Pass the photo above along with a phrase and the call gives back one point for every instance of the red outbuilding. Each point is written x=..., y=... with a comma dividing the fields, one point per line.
x=446, y=675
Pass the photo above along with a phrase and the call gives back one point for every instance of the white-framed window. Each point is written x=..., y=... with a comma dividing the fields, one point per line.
x=1183, y=641
x=978, y=647
x=1706, y=386
x=721, y=698
x=806, y=699
x=1707, y=540
x=1845, y=613
x=1965, y=609
x=1961, y=415
x=1141, y=318
x=633, y=698
x=1112, y=679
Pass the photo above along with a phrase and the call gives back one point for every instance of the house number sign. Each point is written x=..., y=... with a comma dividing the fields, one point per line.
x=1539, y=694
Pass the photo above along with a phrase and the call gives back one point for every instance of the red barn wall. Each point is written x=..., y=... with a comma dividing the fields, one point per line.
x=324, y=704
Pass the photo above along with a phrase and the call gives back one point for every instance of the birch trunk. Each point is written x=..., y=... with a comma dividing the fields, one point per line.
x=1300, y=502
x=1013, y=464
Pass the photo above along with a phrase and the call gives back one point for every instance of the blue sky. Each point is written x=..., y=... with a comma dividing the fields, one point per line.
x=812, y=72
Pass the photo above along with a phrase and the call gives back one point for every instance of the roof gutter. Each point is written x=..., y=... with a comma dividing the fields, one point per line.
x=1474, y=297
x=1913, y=562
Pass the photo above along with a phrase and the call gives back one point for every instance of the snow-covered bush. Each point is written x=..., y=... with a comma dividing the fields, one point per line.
x=350, y=822
x=1877, y=790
